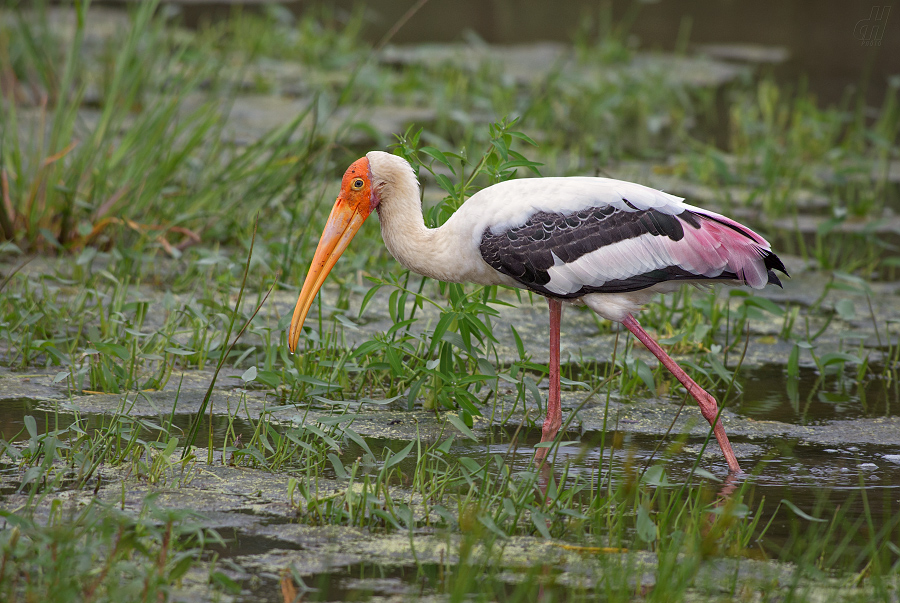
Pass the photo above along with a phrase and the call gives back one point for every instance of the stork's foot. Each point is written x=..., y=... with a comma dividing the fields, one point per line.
x=710, y=411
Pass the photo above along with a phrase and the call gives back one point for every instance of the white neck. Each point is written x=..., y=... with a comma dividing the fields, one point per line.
x=426, y=251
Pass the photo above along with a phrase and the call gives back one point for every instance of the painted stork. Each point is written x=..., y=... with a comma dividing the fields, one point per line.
x=608, y=244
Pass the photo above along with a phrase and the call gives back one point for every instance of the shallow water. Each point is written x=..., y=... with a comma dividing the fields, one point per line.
x=858, y=479
x=768, y=394
x=810, y=476
x=362, y=581
x=817, y=479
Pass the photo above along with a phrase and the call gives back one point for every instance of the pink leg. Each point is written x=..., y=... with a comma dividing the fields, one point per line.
x=708, y=407
x=554, y=410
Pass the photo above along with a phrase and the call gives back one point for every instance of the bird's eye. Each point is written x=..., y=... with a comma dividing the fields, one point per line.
x=357, y=184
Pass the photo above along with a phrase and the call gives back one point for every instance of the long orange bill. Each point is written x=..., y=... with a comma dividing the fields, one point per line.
x=342, y=225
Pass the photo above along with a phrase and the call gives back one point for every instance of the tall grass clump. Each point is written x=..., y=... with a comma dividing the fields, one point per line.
x=129, y=146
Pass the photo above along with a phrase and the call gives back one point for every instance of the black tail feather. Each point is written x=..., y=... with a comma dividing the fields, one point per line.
x=773, y=262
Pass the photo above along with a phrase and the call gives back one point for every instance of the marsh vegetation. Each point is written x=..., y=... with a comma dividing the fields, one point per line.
x=162, y=191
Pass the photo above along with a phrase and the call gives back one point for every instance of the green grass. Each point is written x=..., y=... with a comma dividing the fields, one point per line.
x=98, y=554
x=119, y=161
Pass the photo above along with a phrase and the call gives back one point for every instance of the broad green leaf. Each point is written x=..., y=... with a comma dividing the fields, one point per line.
x=797, y=511
x=719, y=368
x=733, y=510
x=838, y=358
x=180, y=351
x=845, y=309
x=522, y=136
x=170, y=448
x=488, y=522
x=249, y=375
x=367, y=298
x=30, y=425
x=270, y=378
x=466, y=417
x=399, y=326
x=394, y=360
x=673, y=339
x=861, y=283
x=766, y=304
x=517, y=163
x=387, y=517
x=339, y=470
x=706, y=474
x=114, y=349
x=470, y=464
x=379, y=401
x=793, y=364
x=327, y=439
x=438, y=156
x=646, y=529
x=455, y=339
x=443, y=324
x=446, y=184
x=358, y=439
x=461, y=426
x=540, y=522
x=655, y=476
x=329, y=401
x=646, y=375
x=224, y=582
x=367, y=347
x=520, y=347
x=314, y=381
x=399, y=456
x=181, y=567
x=502, y=148
x=485, y=366
x=346, y=322
x=330, y=421
x=532, y=388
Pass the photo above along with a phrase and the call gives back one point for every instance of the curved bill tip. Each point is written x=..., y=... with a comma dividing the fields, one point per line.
x=342, y=225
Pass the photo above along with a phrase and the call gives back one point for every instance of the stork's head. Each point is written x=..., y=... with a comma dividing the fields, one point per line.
x=355, y=202
x=366, y=183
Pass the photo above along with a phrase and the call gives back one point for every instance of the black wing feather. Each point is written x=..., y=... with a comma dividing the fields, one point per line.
x=526, y=252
